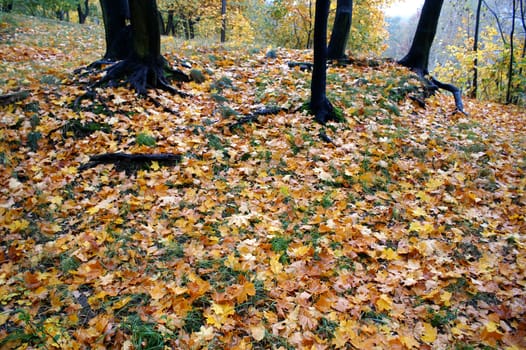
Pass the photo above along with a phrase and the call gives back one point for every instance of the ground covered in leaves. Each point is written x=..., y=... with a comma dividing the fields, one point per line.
x=399, y=228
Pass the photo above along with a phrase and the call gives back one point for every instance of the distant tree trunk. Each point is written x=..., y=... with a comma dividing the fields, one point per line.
x=223, y=21
x=83, y=14
x=320, y=106
x=162, y=27
x=510, y=68
x=170, y=23
x=6, y=6
x=117, y=33
x=475, y=50
x=340, y=29
x=61, y=15
x=418, y=56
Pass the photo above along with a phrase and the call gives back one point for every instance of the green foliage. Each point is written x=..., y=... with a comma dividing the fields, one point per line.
x=76, y=128
x=144, y=336
x=145, y=139
x=194, y=320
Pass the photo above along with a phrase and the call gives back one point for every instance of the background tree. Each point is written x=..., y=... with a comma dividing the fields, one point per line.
x=83, y=11
x=475, y=50
x=340, y=29
x=223, y=21
x=320, y=106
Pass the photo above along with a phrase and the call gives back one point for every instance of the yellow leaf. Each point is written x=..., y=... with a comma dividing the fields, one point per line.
x=409, y=341
x=429, y=334
x=155, y=166
x=56, y=200
x=384, y=303
x=434, y=183
x=18, y=225
x=122, y=302
x=390, y=254
x=418, y=211
x=445, y=297
x=4, y=316
x=275, y=266
x=258, y=332
x=223, y=309
x=93, y=210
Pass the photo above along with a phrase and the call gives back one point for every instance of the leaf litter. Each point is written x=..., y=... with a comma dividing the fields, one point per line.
x=405, y=231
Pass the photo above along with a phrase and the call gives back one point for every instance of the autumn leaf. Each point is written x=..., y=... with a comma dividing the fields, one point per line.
x=429, y=333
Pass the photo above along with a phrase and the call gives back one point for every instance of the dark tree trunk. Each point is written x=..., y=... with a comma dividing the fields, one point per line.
x=117, y=32
x=512, y=49
x=7, y=6
x=162, y=27
x=418, y=57
x=319, y=104
x=83, y=13
x=170, y=23
x=144, y=67
x=475, y=50
x=146, y=35
x=340, y=30
x=223, y=21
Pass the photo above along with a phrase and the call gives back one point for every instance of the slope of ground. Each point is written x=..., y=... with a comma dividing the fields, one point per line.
x=401, y=228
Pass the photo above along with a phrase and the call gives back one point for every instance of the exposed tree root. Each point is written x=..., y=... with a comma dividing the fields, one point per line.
x=431, y=85
x=253, y=117
x=324, y=112
x=457, y=94
x=304, y=66
x=13, y=97
x=143, y=75
x=131, y=162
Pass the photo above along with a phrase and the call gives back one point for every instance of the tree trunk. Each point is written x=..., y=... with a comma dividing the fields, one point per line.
x=170, y=24
x=418, y=56
x=475, y=50
x=117, y=33
x=340, y=29
x=146, y=35
x=144, y=67
x=7, y=6
x=83, y=14
x=319, y=104
x=223, y=21
x=510, y=68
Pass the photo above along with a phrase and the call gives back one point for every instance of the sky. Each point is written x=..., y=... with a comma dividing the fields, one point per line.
x=404, y=8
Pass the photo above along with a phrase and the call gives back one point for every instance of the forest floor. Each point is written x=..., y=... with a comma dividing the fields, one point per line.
x=400, y=228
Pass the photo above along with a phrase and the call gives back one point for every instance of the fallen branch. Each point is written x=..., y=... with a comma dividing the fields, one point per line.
x=13, y=97
x=131, y=162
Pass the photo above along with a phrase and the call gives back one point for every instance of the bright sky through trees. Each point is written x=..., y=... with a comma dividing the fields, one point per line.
x=404, y=8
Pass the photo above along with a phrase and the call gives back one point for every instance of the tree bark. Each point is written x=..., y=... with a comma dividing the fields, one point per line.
x=340, y=29
x=144, y=67
x=417, y=58
x=510, y=67
x=117, y=32
x=83, y=13
x=319, y=104
x=223, y=21
x=475, y=50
